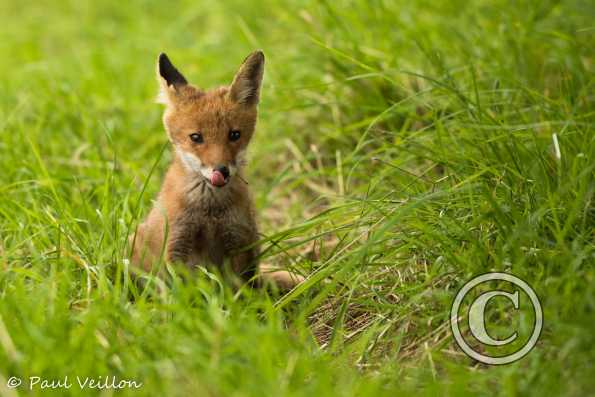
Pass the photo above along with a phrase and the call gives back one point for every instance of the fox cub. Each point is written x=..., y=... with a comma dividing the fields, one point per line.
x=204, y=214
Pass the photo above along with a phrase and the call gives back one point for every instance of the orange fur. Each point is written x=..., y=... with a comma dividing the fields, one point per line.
x=195, y=221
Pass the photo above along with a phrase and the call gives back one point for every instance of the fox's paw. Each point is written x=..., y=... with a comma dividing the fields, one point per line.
x=282, y=279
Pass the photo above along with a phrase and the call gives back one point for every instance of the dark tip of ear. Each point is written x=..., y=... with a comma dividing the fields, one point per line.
x=169, y=72
x=255, y=58
x=258, y=54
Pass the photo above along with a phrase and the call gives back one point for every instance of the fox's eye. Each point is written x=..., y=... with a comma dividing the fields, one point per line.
x=234, y=135
x=197, y=137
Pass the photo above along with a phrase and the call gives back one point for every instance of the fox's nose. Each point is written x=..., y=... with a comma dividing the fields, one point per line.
x=223, y=170
x=220, y=175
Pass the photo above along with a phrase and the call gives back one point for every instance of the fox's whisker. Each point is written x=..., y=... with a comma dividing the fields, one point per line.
x=197, y=184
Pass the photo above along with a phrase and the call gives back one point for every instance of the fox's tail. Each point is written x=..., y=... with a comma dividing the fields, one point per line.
x=282, y=279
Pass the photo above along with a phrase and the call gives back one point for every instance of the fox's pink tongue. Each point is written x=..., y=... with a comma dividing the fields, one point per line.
x=217, y=179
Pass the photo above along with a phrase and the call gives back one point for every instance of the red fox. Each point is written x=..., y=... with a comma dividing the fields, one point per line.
x=204, y=214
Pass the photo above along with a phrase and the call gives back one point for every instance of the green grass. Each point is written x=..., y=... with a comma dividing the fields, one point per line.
x=402, y=148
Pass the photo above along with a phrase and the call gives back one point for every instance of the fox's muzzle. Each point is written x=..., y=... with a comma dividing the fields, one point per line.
x=220, y=176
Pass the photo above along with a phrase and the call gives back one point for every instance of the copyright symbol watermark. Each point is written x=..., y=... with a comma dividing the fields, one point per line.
x=13, y=382
x=483, y=347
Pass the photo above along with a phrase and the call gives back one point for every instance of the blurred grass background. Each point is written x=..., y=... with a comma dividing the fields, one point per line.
x=402, y=148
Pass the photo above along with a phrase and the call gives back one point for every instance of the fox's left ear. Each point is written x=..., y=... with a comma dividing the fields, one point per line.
x=170, y=79
x=245, y=88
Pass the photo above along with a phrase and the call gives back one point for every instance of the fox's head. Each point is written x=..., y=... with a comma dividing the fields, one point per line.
x=210, y=130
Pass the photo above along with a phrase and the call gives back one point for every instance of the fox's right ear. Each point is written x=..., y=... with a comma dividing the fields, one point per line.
x=170, y=80
x=245, y=88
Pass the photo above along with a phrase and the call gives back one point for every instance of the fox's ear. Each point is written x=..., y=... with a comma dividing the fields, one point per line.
x=169, y=73
x=170, y=79
x=245, y=88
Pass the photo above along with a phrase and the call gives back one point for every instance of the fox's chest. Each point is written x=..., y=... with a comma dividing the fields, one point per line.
x=202, y=236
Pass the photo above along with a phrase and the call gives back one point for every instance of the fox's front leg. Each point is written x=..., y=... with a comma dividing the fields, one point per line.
x=240, y=244
x=244, y=263
x=182, y=241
